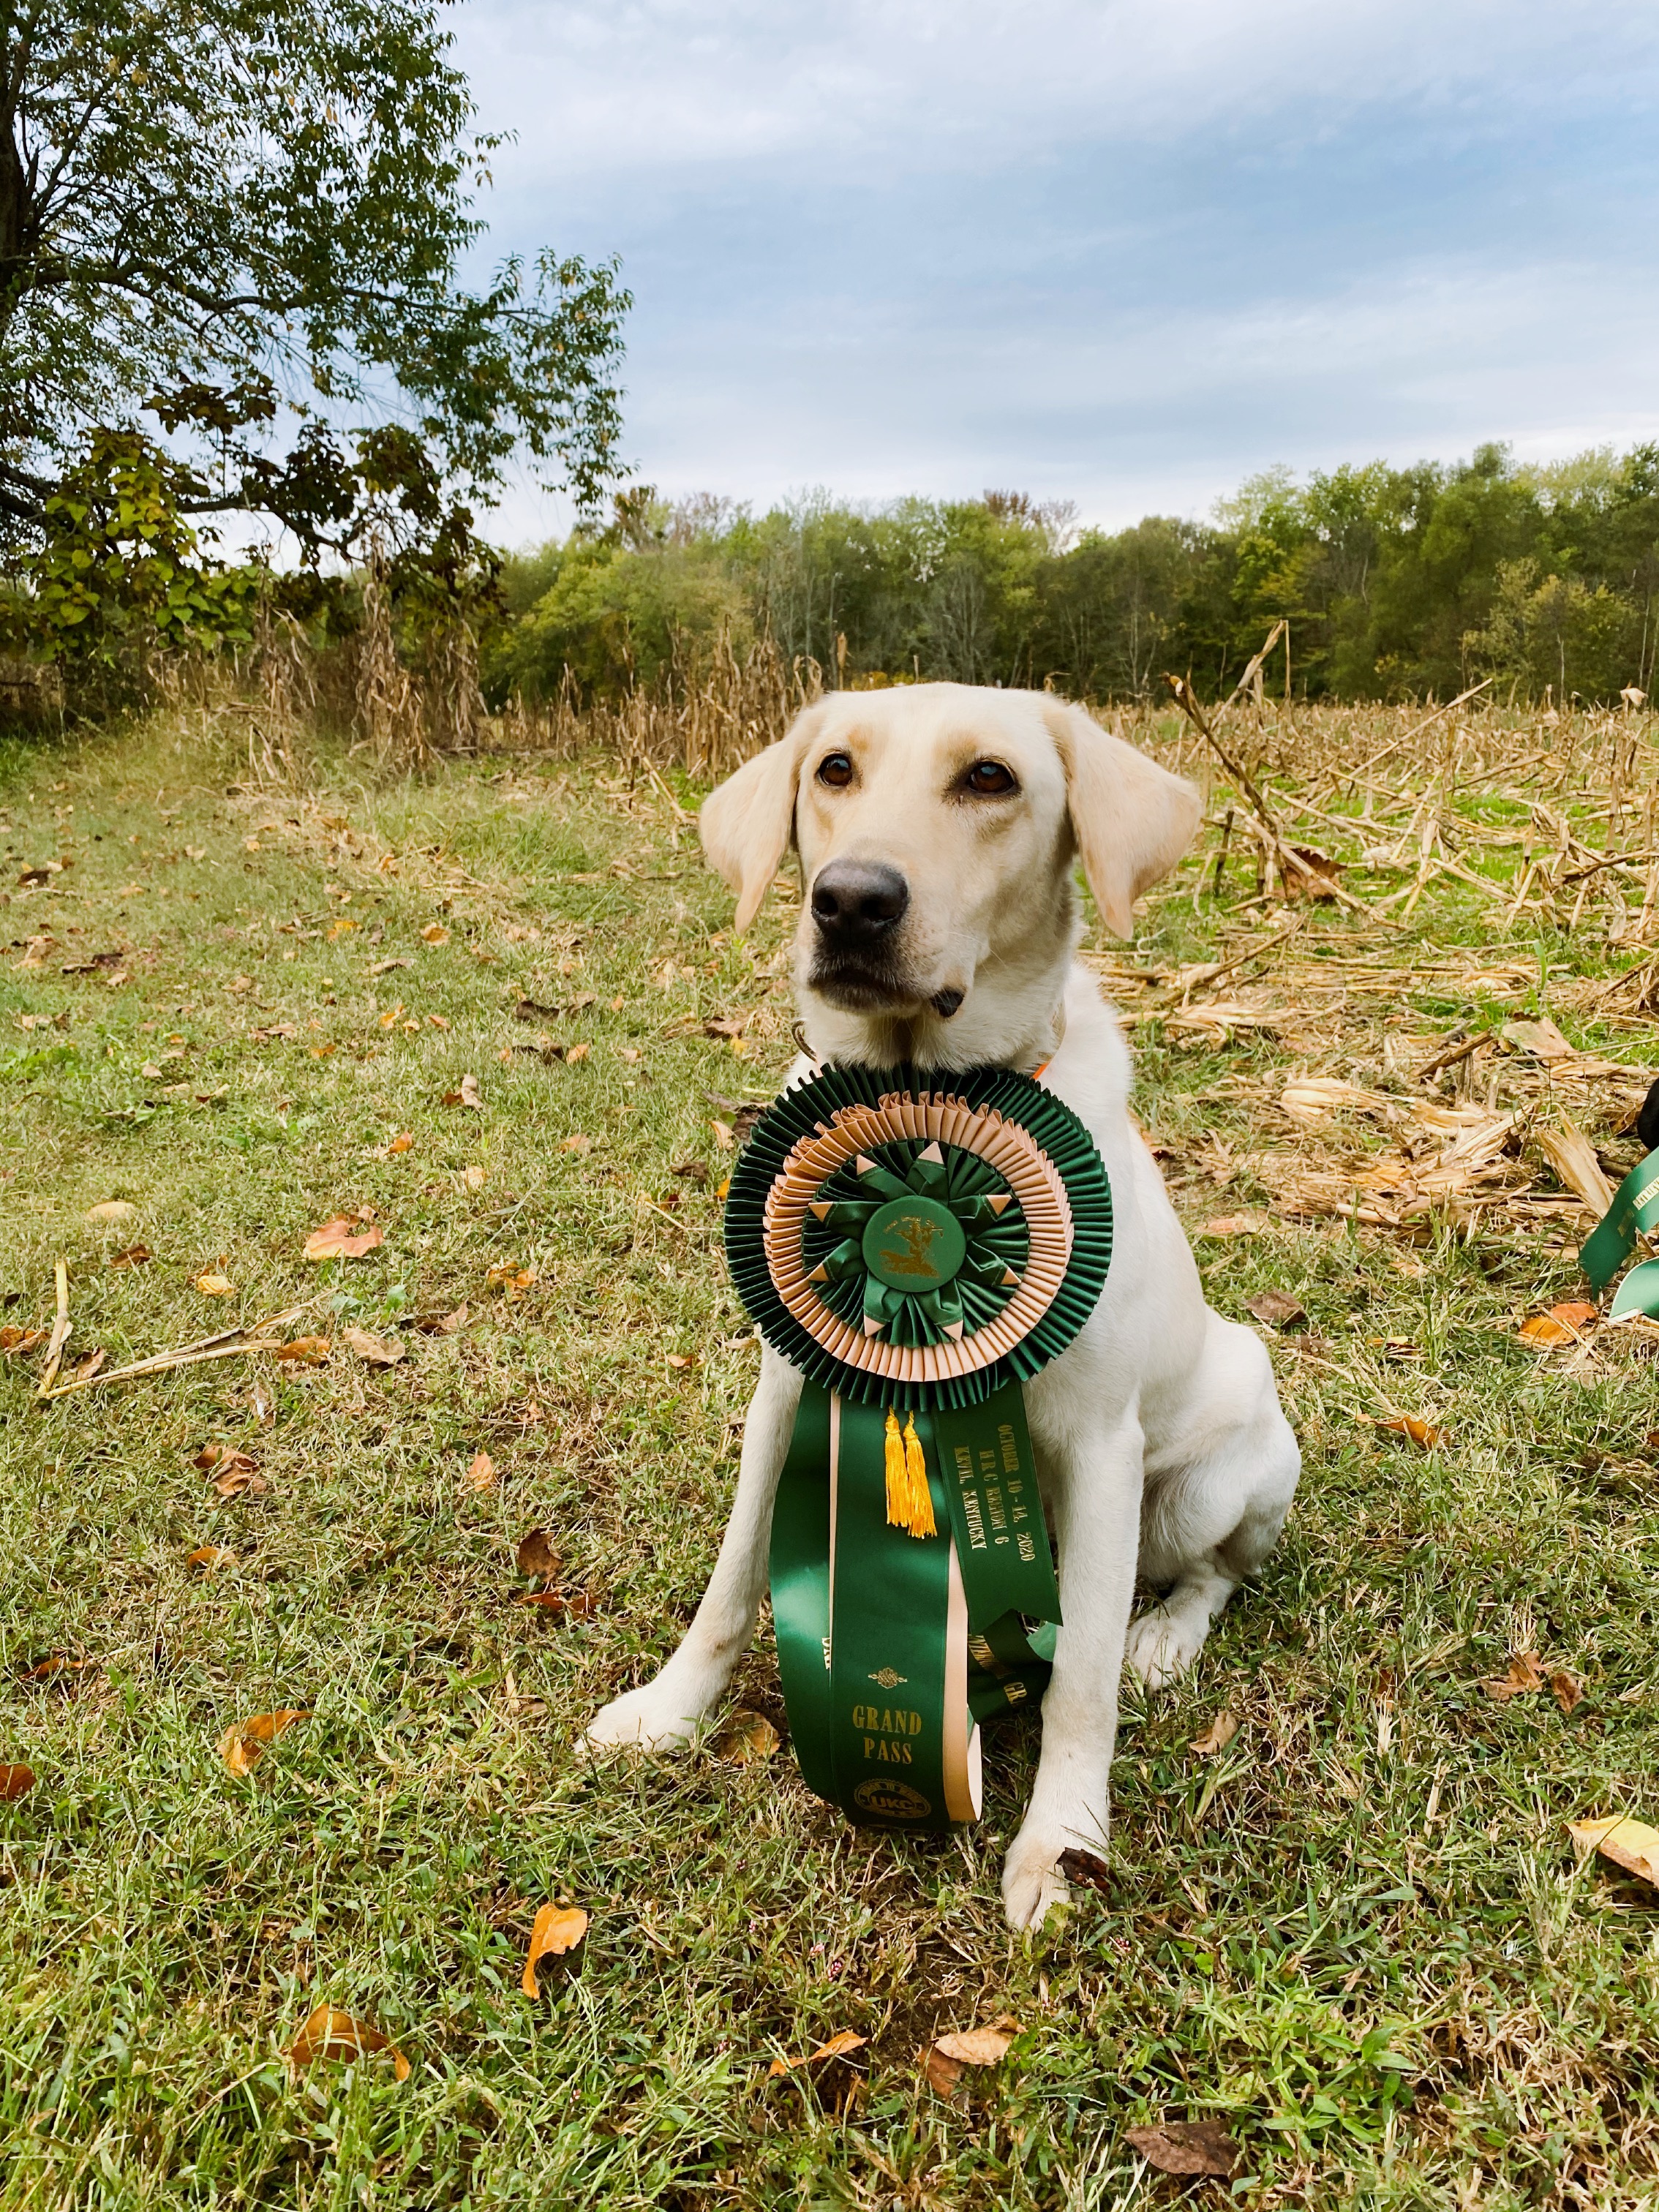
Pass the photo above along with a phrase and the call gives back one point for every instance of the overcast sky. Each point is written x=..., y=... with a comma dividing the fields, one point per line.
x=1121, y=252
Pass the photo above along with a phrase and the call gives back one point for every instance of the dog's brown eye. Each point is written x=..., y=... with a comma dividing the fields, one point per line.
x=990, y=779
x=836, y=770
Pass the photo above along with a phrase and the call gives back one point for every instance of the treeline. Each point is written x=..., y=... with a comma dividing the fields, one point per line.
x=1395, y=583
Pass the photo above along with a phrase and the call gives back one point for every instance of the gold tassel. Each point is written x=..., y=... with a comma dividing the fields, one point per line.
x=897, y=1515
x=921, y=1521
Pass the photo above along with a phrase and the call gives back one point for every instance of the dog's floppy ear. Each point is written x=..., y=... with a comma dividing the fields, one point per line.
x=1132, y=819
x=747, y=823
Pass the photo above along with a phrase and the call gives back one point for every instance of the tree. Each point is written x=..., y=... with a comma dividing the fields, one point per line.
x=251, y=221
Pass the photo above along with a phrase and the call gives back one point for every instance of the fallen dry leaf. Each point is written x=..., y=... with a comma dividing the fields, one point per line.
x=443, y=1324
x=746, y=1737
x=559, y=1605
x=1277, y=1308
x=1422, y=1434
x=558, y=1932
x=510, y=1277
x=112, y=1210
x=1251, y=1222
x=337, y=1240
x=1628, y=1843
x=577, y=1052
x=577, y=1144
x=538, y=1557
x=216, y=1287
x=978, y=2046
x=331, y=2033
x=435, y=933
x=1525, y=1672
x=135, y=1256
x=1088, y=1870
x=481, y=1475
x=1311, y=1097
x=226, y=1458
x=374, y=1350
x=1572, y=1156
x=403, y=1142
x=1187, y=2147
x=22, y=1340
x=244, y=1742
x=1562, y=1324
x=1541, y=1040
x=943, y=2075
x=304, y=1351
x=16, y=1781
x=468, y=1095
x=724, y=1135
x=838, y=2046
x=475, y=1178
x=237, y=1481
x=1566, y=1690
x=206, y=1556
x=1219, y=1734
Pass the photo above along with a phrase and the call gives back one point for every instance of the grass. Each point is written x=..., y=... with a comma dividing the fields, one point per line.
x=1356, y=1935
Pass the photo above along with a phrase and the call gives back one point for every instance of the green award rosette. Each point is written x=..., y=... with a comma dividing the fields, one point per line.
x=919, y=1245
x=1634, y=1212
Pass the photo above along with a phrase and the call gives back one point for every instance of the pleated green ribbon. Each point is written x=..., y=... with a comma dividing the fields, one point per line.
x=892, y=1649
x=1635, y=1209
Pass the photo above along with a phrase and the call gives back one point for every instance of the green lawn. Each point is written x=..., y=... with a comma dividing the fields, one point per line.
x=1356, y=1935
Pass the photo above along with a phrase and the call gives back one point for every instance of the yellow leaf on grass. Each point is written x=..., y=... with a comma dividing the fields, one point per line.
x=577, y=1144
x=244, y=1742
x=979, y=2046
x=724, y=1135
x=1251, y=1222
x=16, y=1781
x=304, y=1351
x=331, y=2033
x=475, y=1177
x=435, y=933
x=746, y=1737
x=376, y=1351
x=1219, y=1734
x=837, y=2047
x=577, y=1052
x=1562, y=1324
x=481, y=1475
x=402, y=1143
x=216, y=1287
x=22, y=1340
x=1421, y=1433
x=112, y=1210
x=1628, y=1843
x=206, y=1556
x=558, y=1930
x=339, y=1239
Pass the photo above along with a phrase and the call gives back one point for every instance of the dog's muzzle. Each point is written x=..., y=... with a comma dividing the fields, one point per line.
x=857, y=909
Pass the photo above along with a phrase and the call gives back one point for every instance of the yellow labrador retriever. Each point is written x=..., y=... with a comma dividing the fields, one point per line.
x=938, y=826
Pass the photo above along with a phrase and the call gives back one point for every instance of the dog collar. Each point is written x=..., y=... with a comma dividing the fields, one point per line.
x=919, y=1245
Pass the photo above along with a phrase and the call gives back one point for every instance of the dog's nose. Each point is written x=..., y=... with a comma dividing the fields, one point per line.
x=856, y=901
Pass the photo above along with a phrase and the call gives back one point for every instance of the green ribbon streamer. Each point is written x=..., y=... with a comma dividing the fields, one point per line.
x=1635, y=1209
x=861, y=1611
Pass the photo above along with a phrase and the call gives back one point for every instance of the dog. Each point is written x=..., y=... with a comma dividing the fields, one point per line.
x=938, y=826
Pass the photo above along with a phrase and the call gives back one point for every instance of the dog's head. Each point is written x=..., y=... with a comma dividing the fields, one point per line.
x=937, y=824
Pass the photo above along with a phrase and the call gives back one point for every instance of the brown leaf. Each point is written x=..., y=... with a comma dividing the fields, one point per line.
x=559, y=1605
x=481, y=1475
x=240, y=1481
x=1318, y=882
x=578, y=1144
x=475, y=1177
x=1628, y=1843
x=206, y=1556
x=1567, y=1691
x=374, y=1350
x=403, y=1142
x=510, y=1277
x=1278, y=1308
x=1252, y=1223
x=22, y=1340
x=837, y=2047
x=113, y=1210
x=977, y=2046
x=225, y=1457
x=469, y=1094
x=1524, y=1673
x=331, y=2033
x=136, y=1256
x=1562, y=1324
x=16, y=1781
x=745, y=1738
x=557, y=1934
x=943, y=2075
x=1219, y=1734
x=723, y=1134
x=244, y=1742
x=1540, y=1040
x=435, y=933
x=1086, y=1870
x=44, y=1670
x=304, y=1351
x=538, y=1557
x=216, y=1287
x=337, y=1240
x=1424, y=1437
x=726, y=1025
x=577, y=1052
x=443, y=1324
x=1187, y=2147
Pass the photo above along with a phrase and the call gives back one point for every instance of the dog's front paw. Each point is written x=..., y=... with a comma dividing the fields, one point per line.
x=1160, y=1647
x=644, y=1718
x=1032, y=1879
